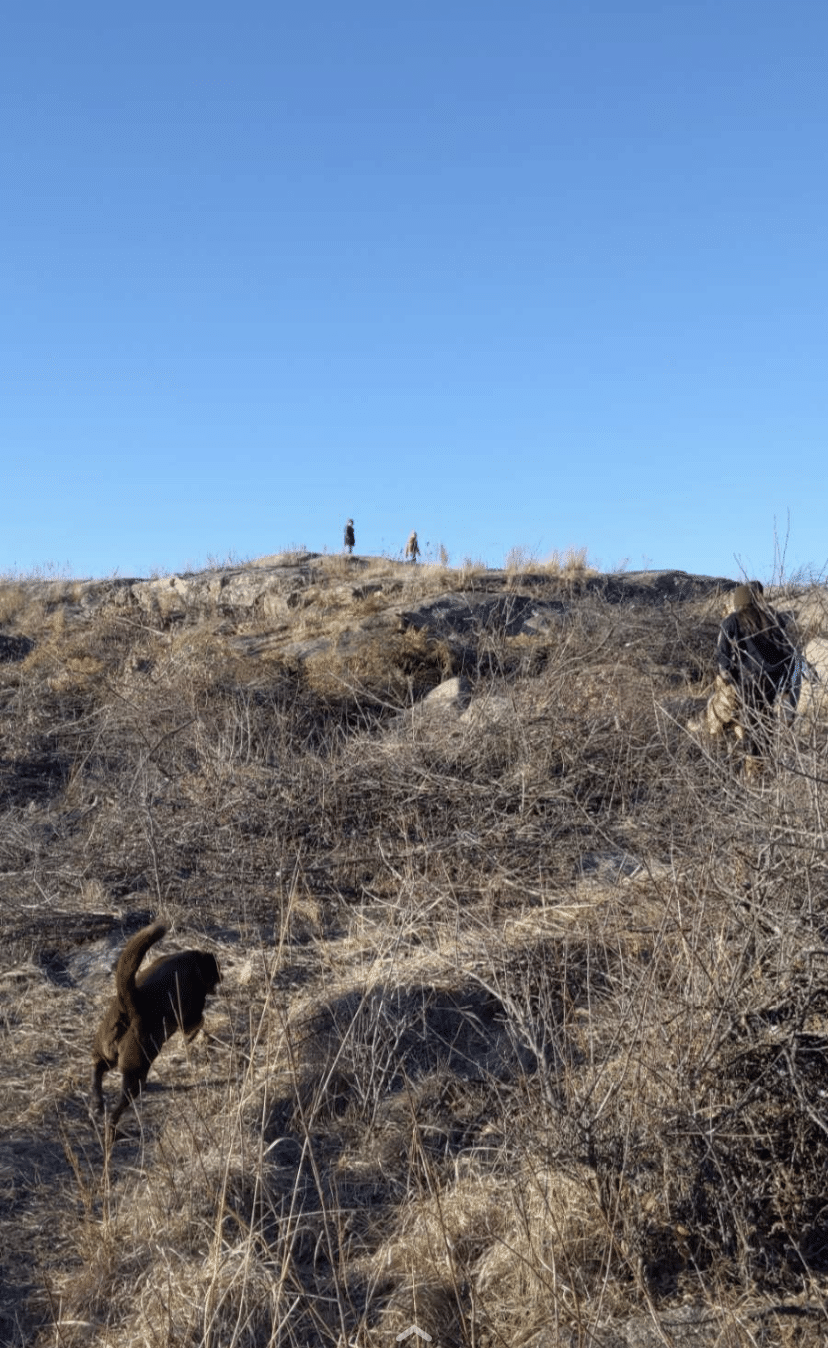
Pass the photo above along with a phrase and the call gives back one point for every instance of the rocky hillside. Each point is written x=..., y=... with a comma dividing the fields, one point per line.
x=522, y=1031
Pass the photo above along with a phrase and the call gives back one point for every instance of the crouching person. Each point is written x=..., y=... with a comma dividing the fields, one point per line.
x=759, y=670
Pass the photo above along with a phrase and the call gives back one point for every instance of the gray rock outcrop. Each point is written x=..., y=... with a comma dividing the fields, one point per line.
x=459, y=615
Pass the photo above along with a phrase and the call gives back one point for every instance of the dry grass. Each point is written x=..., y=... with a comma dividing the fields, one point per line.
x=520, y=559
x=28, y=604
x=570, y=562
x=564, y=563
x=524, y=1023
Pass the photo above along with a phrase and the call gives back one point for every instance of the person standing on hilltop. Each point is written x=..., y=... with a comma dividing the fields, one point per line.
x=759, y=668
x=412, y=547
x=350, y=540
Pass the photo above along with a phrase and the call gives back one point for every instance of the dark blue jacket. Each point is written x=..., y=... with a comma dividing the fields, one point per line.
x=762, y=663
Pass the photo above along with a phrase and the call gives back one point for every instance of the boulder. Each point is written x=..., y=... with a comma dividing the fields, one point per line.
x=656, y=587
x=453, y=616
x=439, y=709
x=813, y=697
x=816, y=656
x=269, y=592
x=452, y=696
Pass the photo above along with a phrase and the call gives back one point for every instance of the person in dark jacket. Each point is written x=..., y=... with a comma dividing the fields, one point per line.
x=350, y=540
x=758, y=671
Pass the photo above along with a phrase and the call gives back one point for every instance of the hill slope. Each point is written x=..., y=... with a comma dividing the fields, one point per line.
x=522, y=1032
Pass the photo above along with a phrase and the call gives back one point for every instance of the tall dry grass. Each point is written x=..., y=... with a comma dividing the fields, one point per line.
x=523, y=1029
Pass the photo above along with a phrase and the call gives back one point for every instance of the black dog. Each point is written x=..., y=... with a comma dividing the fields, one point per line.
x=147, y=1009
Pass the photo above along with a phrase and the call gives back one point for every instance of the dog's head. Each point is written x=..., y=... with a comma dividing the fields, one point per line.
x=208, y=969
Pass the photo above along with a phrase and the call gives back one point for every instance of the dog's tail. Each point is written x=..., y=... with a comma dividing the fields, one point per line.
x=130, y=959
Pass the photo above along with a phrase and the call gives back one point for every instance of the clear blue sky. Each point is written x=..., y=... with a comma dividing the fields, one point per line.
x=534, y=274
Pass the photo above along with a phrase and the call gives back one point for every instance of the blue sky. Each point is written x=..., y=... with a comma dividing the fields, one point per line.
x=532, y=275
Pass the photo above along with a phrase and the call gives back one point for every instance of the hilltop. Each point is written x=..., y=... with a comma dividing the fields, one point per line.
x=522, y=1035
